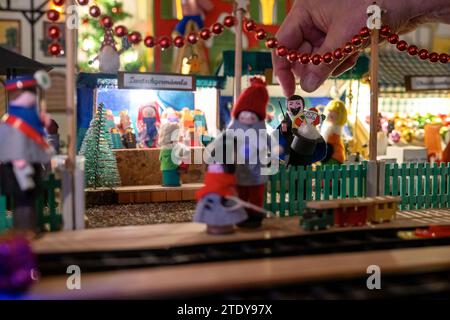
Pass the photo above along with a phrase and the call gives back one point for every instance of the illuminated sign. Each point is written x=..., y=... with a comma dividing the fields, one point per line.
x=154, y=81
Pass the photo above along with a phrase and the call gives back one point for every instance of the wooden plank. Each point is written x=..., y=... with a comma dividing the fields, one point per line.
x=339, y=203
x=420, y=190
x=301, y=177
x=442, y=196
x=318, y=178
x=447, y=175
x=292, y=188
x=351, y=193
x=395, y=177
x=344, y=176
x=143, y=197
x=183, y=187
x=435, y=191
x=403, y=186
x=336, y=178
x=361, y=182
x=188, y=195
x=174, y=195
x=427, y=186
x=283, y=191
x=309, y=180
x=326, y=182
x=387, y=179
x=273, y=192
x=125, y=197
x=411, y=184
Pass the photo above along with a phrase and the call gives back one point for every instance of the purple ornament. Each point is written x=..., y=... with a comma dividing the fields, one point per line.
x=395, y=136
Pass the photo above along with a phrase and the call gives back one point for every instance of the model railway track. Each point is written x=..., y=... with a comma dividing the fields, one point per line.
x=298, y=245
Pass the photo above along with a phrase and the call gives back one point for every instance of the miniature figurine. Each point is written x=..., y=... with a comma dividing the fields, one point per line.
x=332, y=131
x=201, y=128
x=148, y=122
x=24, y=149
x=188, y=126
x=110, y=124
x=169, y=115
x=193, y=10
x=125, y=122
x=129, y=139
x=53, y=135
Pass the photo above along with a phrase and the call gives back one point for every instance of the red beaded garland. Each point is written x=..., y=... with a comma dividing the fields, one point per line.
x=54, y=32
x=217, y=28
x=292, y=56
x=413, y=50
x=434, y=57
x=165, y=42
x=83, y=2
x=205, y=34
x=305, y=58
x=357, y=40
x=149, y=42
x=282, y=51
x=229, y=21
x=338, y=54
x=385, y=31
x=249, y=25
x=402, y=45
x=348, y=48
x=261, y=34
x=95, y=11
x=135, y=37
x=107, y=22
x=121, y=31
x=192, y=38
x=53, y=15
x=58, y=3
x=444, y=58
x=364, y=33
x=423, y=54
x=393, y=38
x=178, y=41
x=316, y=59
x=54, y=49
x=327, y=57
x=271, y=43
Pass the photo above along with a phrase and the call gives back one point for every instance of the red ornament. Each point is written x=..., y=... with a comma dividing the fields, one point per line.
x=444, y=58
x=434, y=57
x=54, y=49
x=292, y=56
x=107, y=22
x=364, y=33
x=305, y=58
x=402, y=45
x=192, y=38
x=261, y=34
x=316, y=59
x=165, y=42
x=338, y=54
x=229, y=21
x=135, y=37
x=423, y=54
x=327, y=57
x=53, y=15
x=178, y=41
x=413, y=50
x=83, y=2
x=217, y=28
x=282, y=51
x=393, y=38
x=205, y=34
x=348, y=48
x=357, y=40
x=385, y=31
x=271, y=43
x=149, y=42
x=249, y=25
x=54, y=32
x=121, y=31
x=95, y=11
x=58, y=3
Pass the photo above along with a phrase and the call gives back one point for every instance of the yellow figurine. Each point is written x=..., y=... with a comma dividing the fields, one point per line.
x=332, y=130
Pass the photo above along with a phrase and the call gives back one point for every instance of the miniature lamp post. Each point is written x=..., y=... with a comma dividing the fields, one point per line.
x=241, y=8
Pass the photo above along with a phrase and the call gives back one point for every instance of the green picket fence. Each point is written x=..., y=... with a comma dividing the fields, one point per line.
x=288, y=191
x=420, y=185
x=46, y=205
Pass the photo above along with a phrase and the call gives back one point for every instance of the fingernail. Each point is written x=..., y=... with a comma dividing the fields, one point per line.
x=311, y=82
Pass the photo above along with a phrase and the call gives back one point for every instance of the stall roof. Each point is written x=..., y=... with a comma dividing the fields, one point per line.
x=104, y=80
x=16, y=63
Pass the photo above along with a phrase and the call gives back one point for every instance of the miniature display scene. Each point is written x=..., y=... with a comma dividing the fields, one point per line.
x=233, y=150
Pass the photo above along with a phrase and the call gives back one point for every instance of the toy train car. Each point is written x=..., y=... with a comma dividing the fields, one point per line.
x=348, y=212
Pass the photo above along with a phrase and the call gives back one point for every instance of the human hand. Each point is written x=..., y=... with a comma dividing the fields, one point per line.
x=322, y=26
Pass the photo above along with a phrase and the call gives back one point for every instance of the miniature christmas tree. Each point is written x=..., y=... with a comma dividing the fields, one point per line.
x=100, y=165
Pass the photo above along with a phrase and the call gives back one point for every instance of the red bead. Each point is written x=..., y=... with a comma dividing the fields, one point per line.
x=338, y=54
x=53, y=15
x=393, y=38
x=292, y=56
x=192, y=38
x=364, y=33
x=217, y=28
x=444, y=58
x=54, y=49
x=149, y=42
x=165, y=42
x=423, y=54
x=271, y=43
x=135, y=37
x=229, y=21
x=205, y=34
x=58, y=3
x=402, y=45
x=54, y=32
x=385, y=31
x=121, y=31
x=178, y=41
x=434, y=57
x=282, y=51
x=261, y=34
x=249, y=25
x=413, y=50
x=107, y=22
x=83, y=2
x=328, y=57
x=348, y=48
x=95, y=11
x=357, y=40
x=305, y=58
x=316, y=59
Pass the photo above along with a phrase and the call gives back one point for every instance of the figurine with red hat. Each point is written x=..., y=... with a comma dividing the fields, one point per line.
x=148, y=123
x=24, y=147
x=249, y=114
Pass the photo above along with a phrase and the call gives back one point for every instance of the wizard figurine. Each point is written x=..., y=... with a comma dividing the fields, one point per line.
x=24, y=148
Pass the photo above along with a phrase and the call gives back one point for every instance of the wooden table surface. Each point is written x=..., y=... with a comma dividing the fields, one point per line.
x=210, y=278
